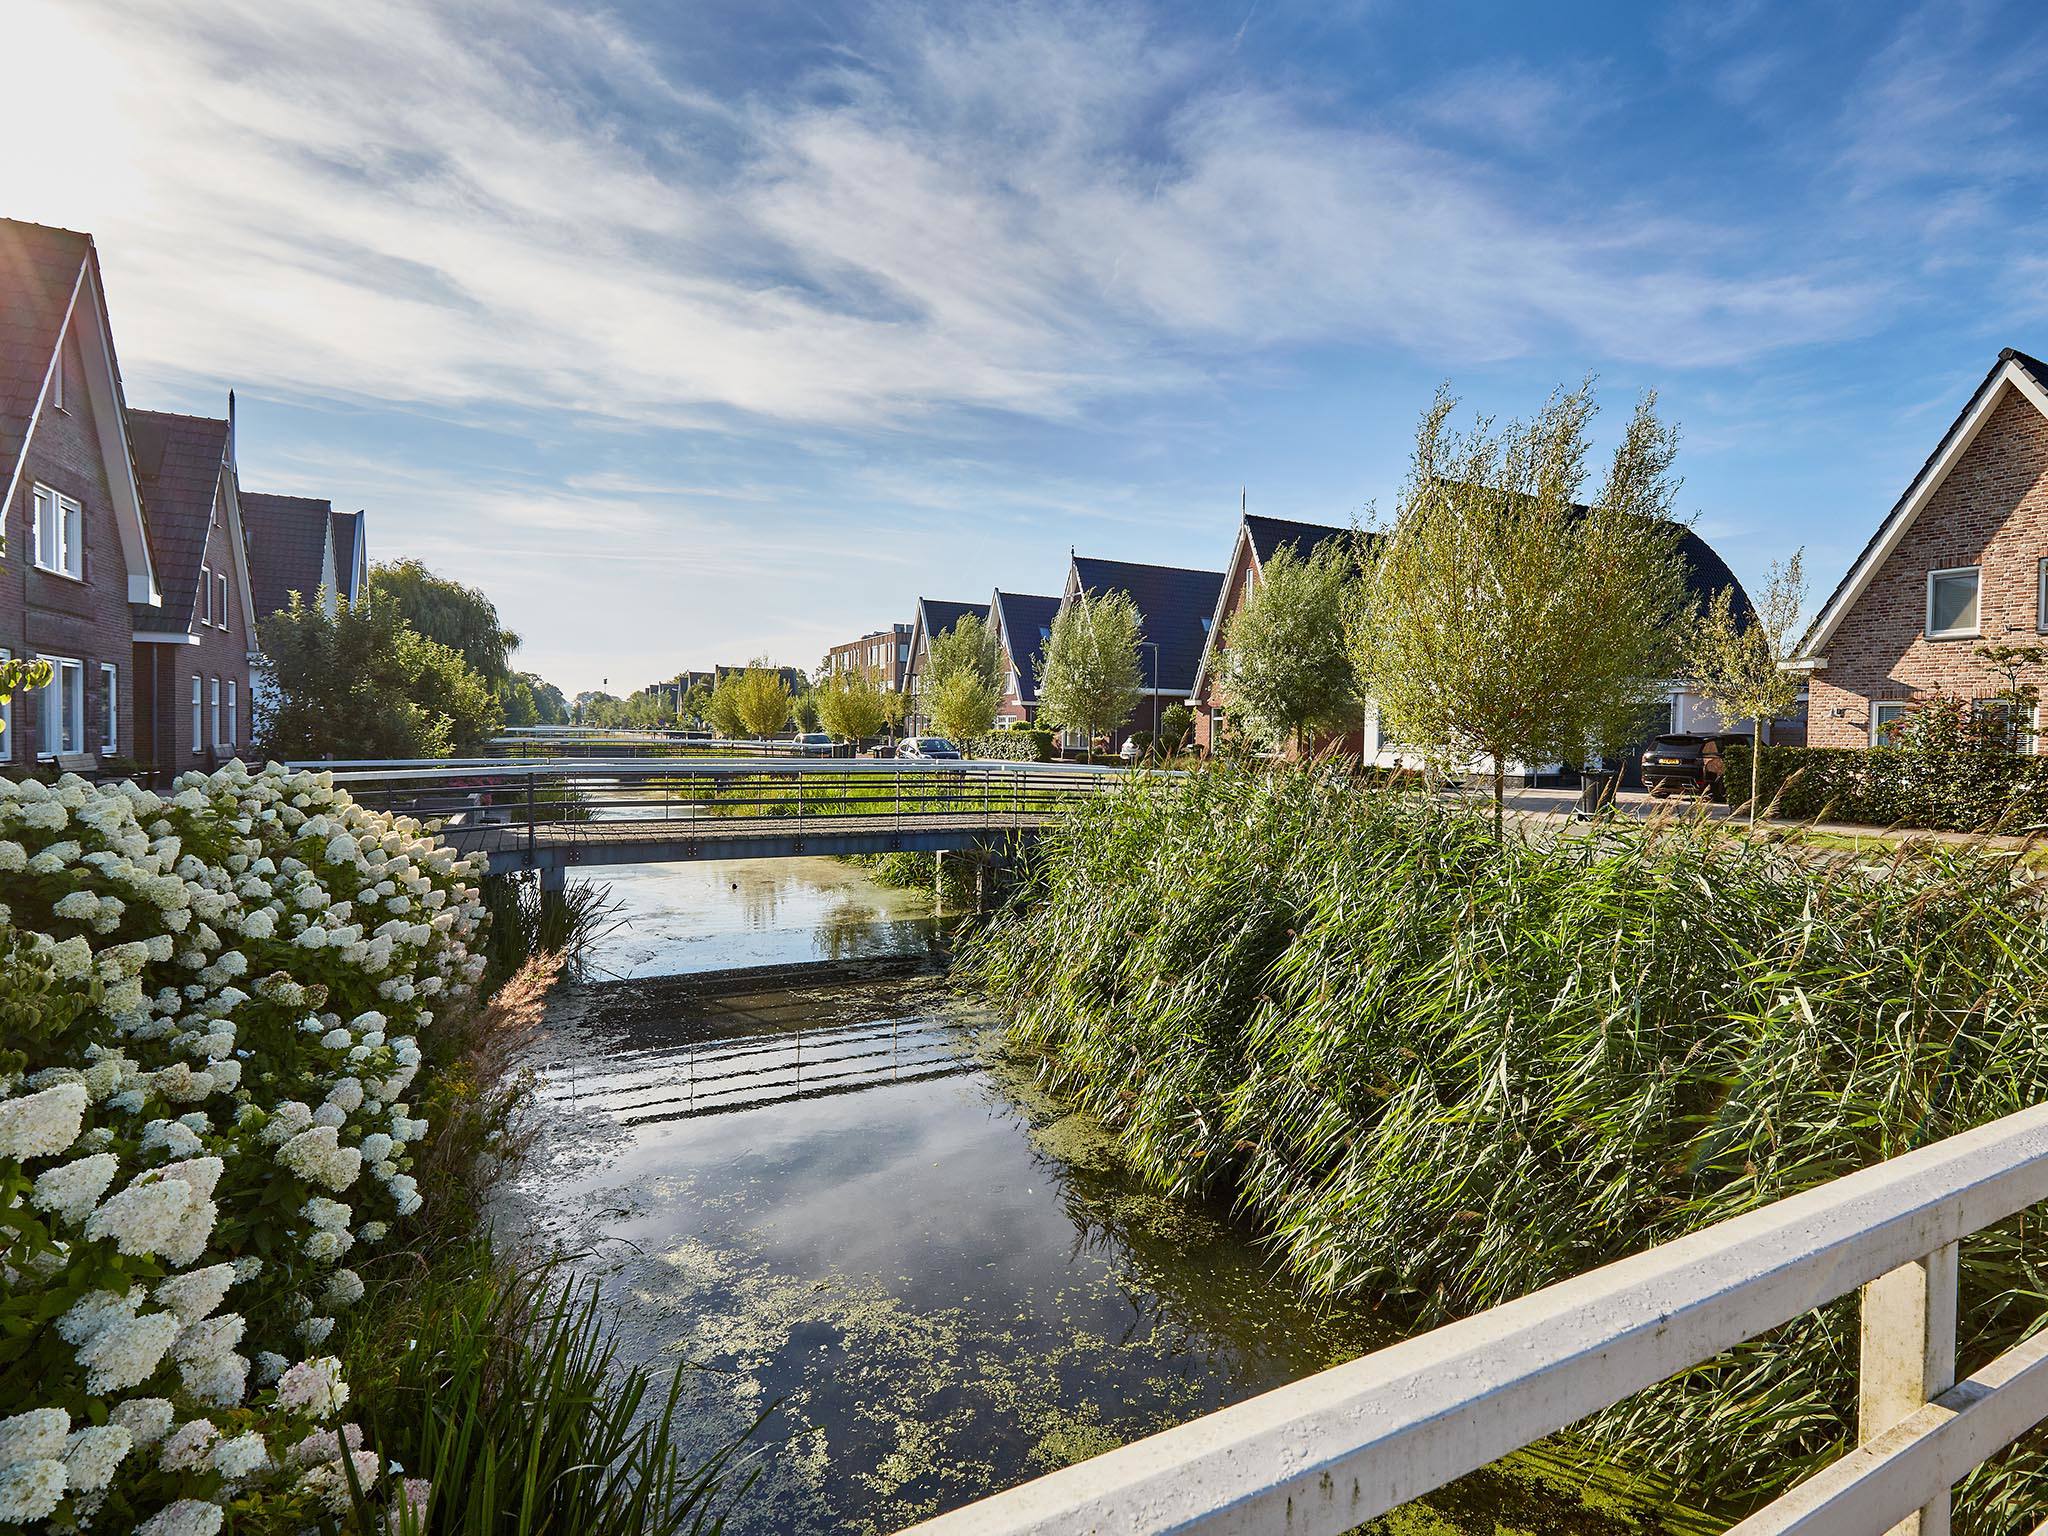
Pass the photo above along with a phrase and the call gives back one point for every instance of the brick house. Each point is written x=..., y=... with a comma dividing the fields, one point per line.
x=1176, y=609
x=1023, y=625
x=883, y=655
x=935, y=617
x=1258, y=540
x=1960, y=561
x=77, y=565
x=193, y=653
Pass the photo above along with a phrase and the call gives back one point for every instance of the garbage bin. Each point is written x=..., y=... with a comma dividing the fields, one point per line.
x=1596, y=790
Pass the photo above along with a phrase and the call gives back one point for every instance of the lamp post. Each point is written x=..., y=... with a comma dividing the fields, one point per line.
x=1153, y=647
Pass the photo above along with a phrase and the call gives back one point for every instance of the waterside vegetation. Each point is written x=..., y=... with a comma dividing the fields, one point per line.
x=1438, y=1068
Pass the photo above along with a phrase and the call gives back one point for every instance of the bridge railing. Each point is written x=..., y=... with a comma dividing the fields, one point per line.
x=496, y=802
x=1333, y=1450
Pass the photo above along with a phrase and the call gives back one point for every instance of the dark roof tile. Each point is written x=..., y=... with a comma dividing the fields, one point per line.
x=1174, y=605
x=1027, y=622
x=39, y=270
x=288, y=539
x=179, y=461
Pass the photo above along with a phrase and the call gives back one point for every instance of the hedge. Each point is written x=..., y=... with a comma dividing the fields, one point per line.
x=1023, y=746
x=1888, y=786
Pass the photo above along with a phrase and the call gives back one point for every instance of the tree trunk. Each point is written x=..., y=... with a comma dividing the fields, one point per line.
x=1756, y=765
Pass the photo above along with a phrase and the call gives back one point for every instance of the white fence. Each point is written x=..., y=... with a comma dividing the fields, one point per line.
x=1318, y=1457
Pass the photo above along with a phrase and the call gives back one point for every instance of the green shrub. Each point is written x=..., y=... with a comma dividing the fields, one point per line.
x=1976, y=790
x=1441, y=1069
x=1016, y=745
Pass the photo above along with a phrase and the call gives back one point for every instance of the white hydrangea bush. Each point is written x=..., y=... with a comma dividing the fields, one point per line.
x=210, y=1006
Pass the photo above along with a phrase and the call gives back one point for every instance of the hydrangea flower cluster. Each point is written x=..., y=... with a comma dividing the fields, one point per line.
x=210, y=1005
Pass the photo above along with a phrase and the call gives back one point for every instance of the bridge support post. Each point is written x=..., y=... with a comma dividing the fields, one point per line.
x=1909, y=1358
x=554, y=877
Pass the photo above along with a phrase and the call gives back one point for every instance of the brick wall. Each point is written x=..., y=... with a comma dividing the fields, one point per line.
x=42, y=613
x=1991, y=512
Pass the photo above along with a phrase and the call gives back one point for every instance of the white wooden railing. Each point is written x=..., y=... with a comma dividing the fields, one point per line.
x=1323, y=1454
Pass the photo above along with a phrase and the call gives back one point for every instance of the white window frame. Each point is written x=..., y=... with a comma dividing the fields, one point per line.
x=206, y=595
x=6, y=716
x=213, y=710
x=57, y=382
x=1878, y=719
x=2041, y=597
x=67, y=533
x=231, y=715
x=198, y=714
x=1974, y=630
x=68, y=721
x=110, y=721
x=221, y=608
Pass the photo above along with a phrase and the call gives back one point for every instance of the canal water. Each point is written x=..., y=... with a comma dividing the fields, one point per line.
x=824, y=1192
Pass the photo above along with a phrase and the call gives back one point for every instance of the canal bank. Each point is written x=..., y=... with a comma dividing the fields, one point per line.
x=830, y=1194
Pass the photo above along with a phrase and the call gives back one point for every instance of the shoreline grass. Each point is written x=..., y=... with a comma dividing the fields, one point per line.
x=1438, y=1070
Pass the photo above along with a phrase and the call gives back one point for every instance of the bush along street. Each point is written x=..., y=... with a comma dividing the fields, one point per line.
x=1438, y=1068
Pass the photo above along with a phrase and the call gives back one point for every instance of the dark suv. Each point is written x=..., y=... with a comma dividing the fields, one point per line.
x=1684, y=764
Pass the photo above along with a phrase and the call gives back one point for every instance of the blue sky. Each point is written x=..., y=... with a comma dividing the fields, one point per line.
x=696, y=332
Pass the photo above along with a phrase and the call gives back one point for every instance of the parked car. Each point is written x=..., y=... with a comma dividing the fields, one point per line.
x=930, y=749
x=814, y=744
x=1684, y=763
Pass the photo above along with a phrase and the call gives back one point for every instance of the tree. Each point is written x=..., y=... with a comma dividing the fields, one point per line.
x=1736, y=662
x=969, y=647
x=1285, y=669
x=760, y=699
x=696, y=700
x=1176, y=725
x=18, y=676
x=851, y=704
x=366, y=684
x=1088, y=680
x=460, y=617
x=964, y=706
x=1500, y=620
x=722, y=707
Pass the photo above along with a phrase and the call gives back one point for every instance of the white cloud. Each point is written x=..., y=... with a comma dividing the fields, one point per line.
x=469, y=202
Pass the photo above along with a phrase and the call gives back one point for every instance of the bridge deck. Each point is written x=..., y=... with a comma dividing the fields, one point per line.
x=562, y=845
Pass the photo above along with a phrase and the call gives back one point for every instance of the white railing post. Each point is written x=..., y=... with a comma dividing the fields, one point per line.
x=1909, y=1358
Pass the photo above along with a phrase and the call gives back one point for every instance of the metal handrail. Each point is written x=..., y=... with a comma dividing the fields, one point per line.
x=1325, y=1454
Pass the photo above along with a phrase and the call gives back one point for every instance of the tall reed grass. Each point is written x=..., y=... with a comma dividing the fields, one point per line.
x=1440, y=1069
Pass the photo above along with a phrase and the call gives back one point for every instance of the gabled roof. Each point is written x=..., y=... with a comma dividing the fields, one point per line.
x=1174, y=606
x=2014, y=371
x=349, y=555
x=1268, y=534
x=44, y=275
x=290, y=548
x=1024, y=621
x=179, y=461
x=935, y=616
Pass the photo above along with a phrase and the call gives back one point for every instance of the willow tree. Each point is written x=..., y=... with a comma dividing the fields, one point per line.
x=1501, y=620
x=969, y=648
x=1088, y=678
x=1284, y=670
x=852, y=704
x=1736, y=661
x=761, y=700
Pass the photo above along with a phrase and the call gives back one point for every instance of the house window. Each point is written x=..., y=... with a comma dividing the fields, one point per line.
x=2041, y=598
x=1952, y=603
x=1884, y=715
x=198, y=712
x=6, y=717
x=63, y=708
x=221, y=607
x=205, y=595
x=232, y=737
x=110, y=709
x=214, y=709
x=57, y=383
x=60, y=534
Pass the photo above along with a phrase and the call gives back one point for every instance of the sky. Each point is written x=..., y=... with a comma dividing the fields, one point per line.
x=697, y=332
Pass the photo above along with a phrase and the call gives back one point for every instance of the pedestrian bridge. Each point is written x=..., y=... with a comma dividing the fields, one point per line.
x=558, y=814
